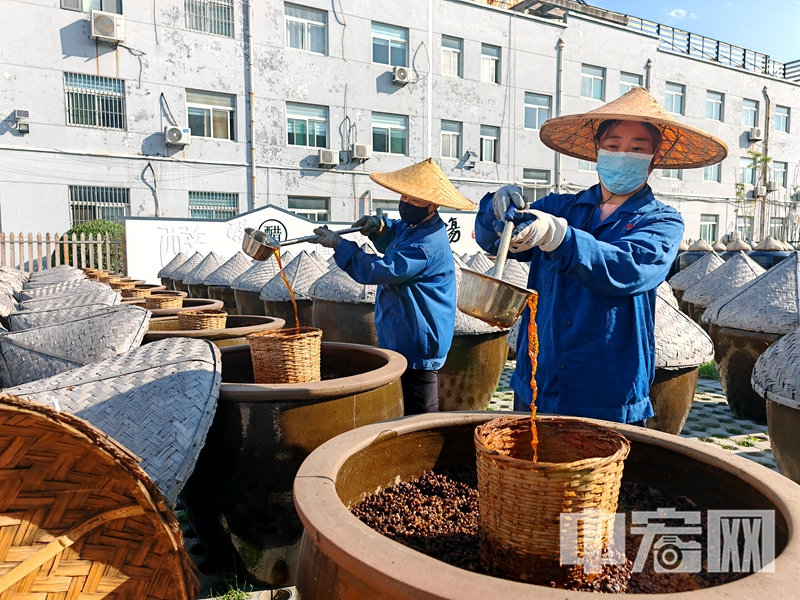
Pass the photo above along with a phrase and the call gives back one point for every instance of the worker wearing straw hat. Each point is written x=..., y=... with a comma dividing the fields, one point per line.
x=415, y=306
x=597, y=257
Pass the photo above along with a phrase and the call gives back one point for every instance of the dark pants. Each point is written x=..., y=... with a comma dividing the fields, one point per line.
x=420, y=391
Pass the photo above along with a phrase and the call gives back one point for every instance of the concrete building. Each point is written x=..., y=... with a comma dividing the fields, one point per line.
x=263, y=86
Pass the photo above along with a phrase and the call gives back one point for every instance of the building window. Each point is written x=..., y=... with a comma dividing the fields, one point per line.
x=382, y=206
x=782, y=118
x=211, y=114
x=712, y=173
x=213, y=205
x=747, y=170
x=95, y=101
x=306, y=28
x=744, y=227
x=307, y=125
x=389, y=44
x=490, y=63
x=112, y=6
x=673, y=98
x=87, y=203
x=489, y=137
x=749, y=112
x=777, y=227
x=587, y=166
x=539, y=179
x=537, y=110
x=708, y=227
x=313, y=209
x=714, y=103
x=451, y=139
x=593, y=82
x=671, y=174
x=779, y=173
x=628, y=81
x=209, y=16
x=451, y=56
x=389, y=133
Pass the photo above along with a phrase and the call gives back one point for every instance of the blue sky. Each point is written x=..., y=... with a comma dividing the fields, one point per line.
x=768, y=26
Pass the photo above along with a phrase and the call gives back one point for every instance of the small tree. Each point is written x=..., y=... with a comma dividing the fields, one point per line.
x=98, y=228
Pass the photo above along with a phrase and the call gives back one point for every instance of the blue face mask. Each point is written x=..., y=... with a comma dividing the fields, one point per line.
x=623, y=172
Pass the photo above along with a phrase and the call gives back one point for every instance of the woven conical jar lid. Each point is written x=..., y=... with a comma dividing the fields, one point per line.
x=727, y=278
x=480, y=263
x=770, y=303
x=207, y=266
x=338, y=286
x=460, y=261
x=769, y=244
x=682, y=280
x=683, y=246
x=737, y=245
x=718, y=246
x=320, y=259
x=701, y=246
x=680, y=342
x=513, y=273
x=286, y=257
x=776, y=375
x=301, y=273
x=181, y=272
x=235, y=266
x=256, y=276
x=465, y=324
x=169, y=268
x=665, y=292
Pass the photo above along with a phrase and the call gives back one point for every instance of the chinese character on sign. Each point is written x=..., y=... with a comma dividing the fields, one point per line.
x=453, y=232
x=757, y=545
x=671, y=553
x=583, y=530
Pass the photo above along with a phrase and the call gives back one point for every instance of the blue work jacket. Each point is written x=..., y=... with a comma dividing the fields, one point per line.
x=596, y=313
x=415, y=306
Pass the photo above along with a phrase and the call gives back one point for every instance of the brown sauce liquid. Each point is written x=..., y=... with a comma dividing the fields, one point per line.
x=288, y=287
x=533, y=353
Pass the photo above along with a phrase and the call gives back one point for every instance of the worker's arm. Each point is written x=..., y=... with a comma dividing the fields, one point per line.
x=396, y=267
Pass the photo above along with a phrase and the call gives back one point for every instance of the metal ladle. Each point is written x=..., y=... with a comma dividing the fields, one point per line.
x=260, y=245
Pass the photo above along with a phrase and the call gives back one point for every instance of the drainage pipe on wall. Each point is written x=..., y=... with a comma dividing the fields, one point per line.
x=559, y=98
x=765, y=162
x=430, y=79
x=648, y=72
x=252, y=94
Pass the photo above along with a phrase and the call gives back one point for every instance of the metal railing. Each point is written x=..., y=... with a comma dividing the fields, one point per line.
x=31, y=252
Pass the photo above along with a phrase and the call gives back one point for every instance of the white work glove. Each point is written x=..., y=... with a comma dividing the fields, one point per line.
x=545, y=231
x=504, y=198
x=326, y=237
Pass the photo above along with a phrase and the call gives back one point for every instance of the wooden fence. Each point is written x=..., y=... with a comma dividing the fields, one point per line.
x=31, y=252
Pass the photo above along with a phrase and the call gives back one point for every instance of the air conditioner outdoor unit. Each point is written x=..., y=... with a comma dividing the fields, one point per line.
x=756, y=134
x=760, y=191
x=362, y=151
x=20, y=114
x=401, y=75
x=177, y=136
x=772, y=186
x=328, y=158
x=108, y=26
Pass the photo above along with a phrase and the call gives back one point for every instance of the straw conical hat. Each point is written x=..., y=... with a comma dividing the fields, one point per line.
x=682, y=146
x=424, y=181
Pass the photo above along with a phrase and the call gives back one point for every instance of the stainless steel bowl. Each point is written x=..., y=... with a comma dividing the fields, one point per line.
x=491, y=300
x=258, y=244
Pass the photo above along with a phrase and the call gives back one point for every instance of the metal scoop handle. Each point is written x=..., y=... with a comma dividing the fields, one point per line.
x=308, y=238
x=502, y=250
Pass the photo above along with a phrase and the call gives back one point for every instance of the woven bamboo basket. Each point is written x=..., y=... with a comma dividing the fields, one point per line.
x=164, y=300
x=135, y=292
x=202, y=319
x=109, y=279
x=579, y=470
x=80, y=518
x=123, y=285
x=286, y=355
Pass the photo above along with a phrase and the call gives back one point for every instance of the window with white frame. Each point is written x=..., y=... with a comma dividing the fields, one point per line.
x=749, y=112
x=94, y=101
x=539, y=179
x=389, y=133
x=714, y=104
x=593, y=82
x=744, y=227
x=712, y=173
x=490, y=63
x=385, y=205
x=451, y=56
x=209, y=16
x=113, y=6
x=747, y=170
x=489, y=138
x=306, y=125
x=211, y=115
x=451, y=139
x=671, y=174
x=389, y=44
x=587, y=166
x=628, y=81
x=88, y=202
x=537, y=110
x=306, y=28
x=673, y=98
x=213, y=205
x=782, y=118
x=313, y=209
x=708, y=227
x=779, y=170
x=777, y=227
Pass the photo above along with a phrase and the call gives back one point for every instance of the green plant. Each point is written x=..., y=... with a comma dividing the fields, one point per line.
x=234, y=590
x=706, y=439
x=181, y=516
x=745, y=443
x=709, y=371
x=97, y=228
x=727, y=447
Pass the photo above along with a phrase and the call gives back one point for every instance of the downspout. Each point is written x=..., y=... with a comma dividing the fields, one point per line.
x=764, y=168
x=648, y=74
x=559, y=94
x=251, y=91
x=429, y=151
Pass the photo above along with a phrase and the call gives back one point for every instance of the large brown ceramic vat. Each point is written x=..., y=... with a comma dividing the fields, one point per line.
x=784, y=424
x=237, y=328
x=179, y=286
x=346, y=322
x=167, y=283
x=248, y=303
x=472, y=370
x=225, y=294
x=343, y=559
x=672, y=394
x=239, y=498
x=285, y=310
x=197, y=290
x=188, y=304
x=696, y=313
x=735, y=354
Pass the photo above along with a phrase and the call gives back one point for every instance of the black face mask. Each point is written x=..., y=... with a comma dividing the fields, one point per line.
x=413, y=215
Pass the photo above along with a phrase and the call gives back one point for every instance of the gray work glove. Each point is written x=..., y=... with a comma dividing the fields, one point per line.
x=504, y=198
x=545, y=231
x=326, y=237
x=370, y=224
